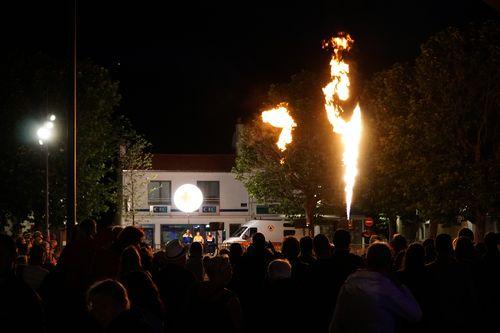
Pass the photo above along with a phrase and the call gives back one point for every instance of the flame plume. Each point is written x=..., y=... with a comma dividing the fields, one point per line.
x=280, y=117
x=338, y=90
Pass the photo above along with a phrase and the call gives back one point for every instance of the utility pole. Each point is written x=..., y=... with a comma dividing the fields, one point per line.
x=71, y=195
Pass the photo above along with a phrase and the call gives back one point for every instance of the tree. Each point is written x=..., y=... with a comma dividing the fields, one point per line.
x=32, y=88
x=134, y=161
x=307, y=174
x=435, y=129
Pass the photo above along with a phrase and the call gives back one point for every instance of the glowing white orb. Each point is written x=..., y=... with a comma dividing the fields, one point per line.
x=188, y=198
x=52, y=117
x=43, y=133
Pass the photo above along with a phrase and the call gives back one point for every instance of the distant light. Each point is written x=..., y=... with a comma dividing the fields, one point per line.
x=188, y=198
x=43, y=133
x=49, y=125
x=52, y=117
x=40, y=142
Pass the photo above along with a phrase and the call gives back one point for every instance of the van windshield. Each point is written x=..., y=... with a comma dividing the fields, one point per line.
x=239, y=232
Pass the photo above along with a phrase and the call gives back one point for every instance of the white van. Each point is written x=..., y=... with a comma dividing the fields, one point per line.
x=274, y=231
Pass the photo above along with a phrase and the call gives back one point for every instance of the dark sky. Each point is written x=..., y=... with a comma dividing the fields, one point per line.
x=188, y=70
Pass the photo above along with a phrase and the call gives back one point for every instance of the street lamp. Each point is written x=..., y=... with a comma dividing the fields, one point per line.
x=44, y=134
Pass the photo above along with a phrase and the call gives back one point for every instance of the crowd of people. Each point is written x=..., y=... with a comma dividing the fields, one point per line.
x=112, y=281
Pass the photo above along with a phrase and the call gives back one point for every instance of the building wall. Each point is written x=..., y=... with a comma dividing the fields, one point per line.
x=234, y=206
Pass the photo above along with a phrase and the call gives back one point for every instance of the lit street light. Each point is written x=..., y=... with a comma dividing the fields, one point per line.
x=44, y=135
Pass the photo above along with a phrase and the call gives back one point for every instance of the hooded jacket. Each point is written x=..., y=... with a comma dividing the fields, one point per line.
x=370, y=302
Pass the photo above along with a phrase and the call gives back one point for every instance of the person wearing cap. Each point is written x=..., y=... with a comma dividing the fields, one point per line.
x=175, y=282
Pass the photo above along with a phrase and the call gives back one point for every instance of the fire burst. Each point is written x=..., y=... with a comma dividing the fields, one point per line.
x=280, y=117
x=338, y=89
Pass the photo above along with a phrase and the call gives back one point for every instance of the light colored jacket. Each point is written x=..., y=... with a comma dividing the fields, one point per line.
x=370, y=302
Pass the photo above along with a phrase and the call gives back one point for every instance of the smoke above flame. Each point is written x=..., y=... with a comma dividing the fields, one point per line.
x=280, y=117
x=335, y=91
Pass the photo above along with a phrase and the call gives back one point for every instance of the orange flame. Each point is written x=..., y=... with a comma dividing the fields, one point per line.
x=280, y=117
x=338, y=89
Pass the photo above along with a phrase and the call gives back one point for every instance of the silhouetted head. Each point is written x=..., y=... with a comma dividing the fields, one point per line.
x=259, y=241
x=399, y=243
x=196, y=250
x=106, y=300
x=218, y=270
x=129, y=236
x=341, y=239
x=466, y=232
x=443, y=245
x=235, y=252
x=306, y=245
x=290, y=248
x=414, y=257
x=8, y=255
x=87, y=229
x=375, y=239
x=379, y=257
x=321, y=246
x=37, y=255
x=464, y=249
x=279, y=269
x=491, y=240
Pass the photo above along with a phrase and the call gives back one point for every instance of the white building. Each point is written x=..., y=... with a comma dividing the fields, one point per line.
x=225, y=199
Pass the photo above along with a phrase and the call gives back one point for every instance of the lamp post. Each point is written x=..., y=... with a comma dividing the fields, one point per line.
x=44, y=134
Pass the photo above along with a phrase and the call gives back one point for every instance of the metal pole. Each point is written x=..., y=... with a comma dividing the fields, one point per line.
x=47, y=192
x=72, y=139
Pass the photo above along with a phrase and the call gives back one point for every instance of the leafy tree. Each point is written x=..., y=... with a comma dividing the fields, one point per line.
x=32, y=88
x=134, y=160
x=435, y=130
x=307, y=174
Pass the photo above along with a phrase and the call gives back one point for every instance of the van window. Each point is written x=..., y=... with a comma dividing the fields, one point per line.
x=288, y=233
x=253, y=231
x=288, y=225
x=239, y=232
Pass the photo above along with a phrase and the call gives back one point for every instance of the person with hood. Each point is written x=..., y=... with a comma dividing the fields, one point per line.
x=371, y=300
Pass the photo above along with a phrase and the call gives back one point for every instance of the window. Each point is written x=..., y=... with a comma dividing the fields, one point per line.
x=239, y=232
x=160, y=192
x=210, y=190
x=288, y=233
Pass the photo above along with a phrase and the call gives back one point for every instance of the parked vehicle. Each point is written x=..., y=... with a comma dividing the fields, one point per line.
x=273, y=230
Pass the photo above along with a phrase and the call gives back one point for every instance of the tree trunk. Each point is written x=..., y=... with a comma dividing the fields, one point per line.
x=480, y=226
x=433, y=228
x=309, y=209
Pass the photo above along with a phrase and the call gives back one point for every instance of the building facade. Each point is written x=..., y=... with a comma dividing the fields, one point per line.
x=226, y=201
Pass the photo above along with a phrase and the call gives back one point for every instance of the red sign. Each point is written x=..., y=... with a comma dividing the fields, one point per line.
x=368, y=222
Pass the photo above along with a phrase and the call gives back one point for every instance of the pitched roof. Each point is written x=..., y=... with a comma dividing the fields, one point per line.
x=193, y=162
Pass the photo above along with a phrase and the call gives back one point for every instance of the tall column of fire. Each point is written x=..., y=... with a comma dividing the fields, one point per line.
x=338, y=90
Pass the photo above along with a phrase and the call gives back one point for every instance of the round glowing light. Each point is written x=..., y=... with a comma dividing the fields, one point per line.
x=43, y=133
x=52, y=117
x=49, y=125
x=188, y=198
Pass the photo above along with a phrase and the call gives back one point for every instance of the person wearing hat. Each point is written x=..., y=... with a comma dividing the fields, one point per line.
x=174, y=282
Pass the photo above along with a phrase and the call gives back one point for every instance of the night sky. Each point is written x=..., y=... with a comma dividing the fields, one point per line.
x=188, y=71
